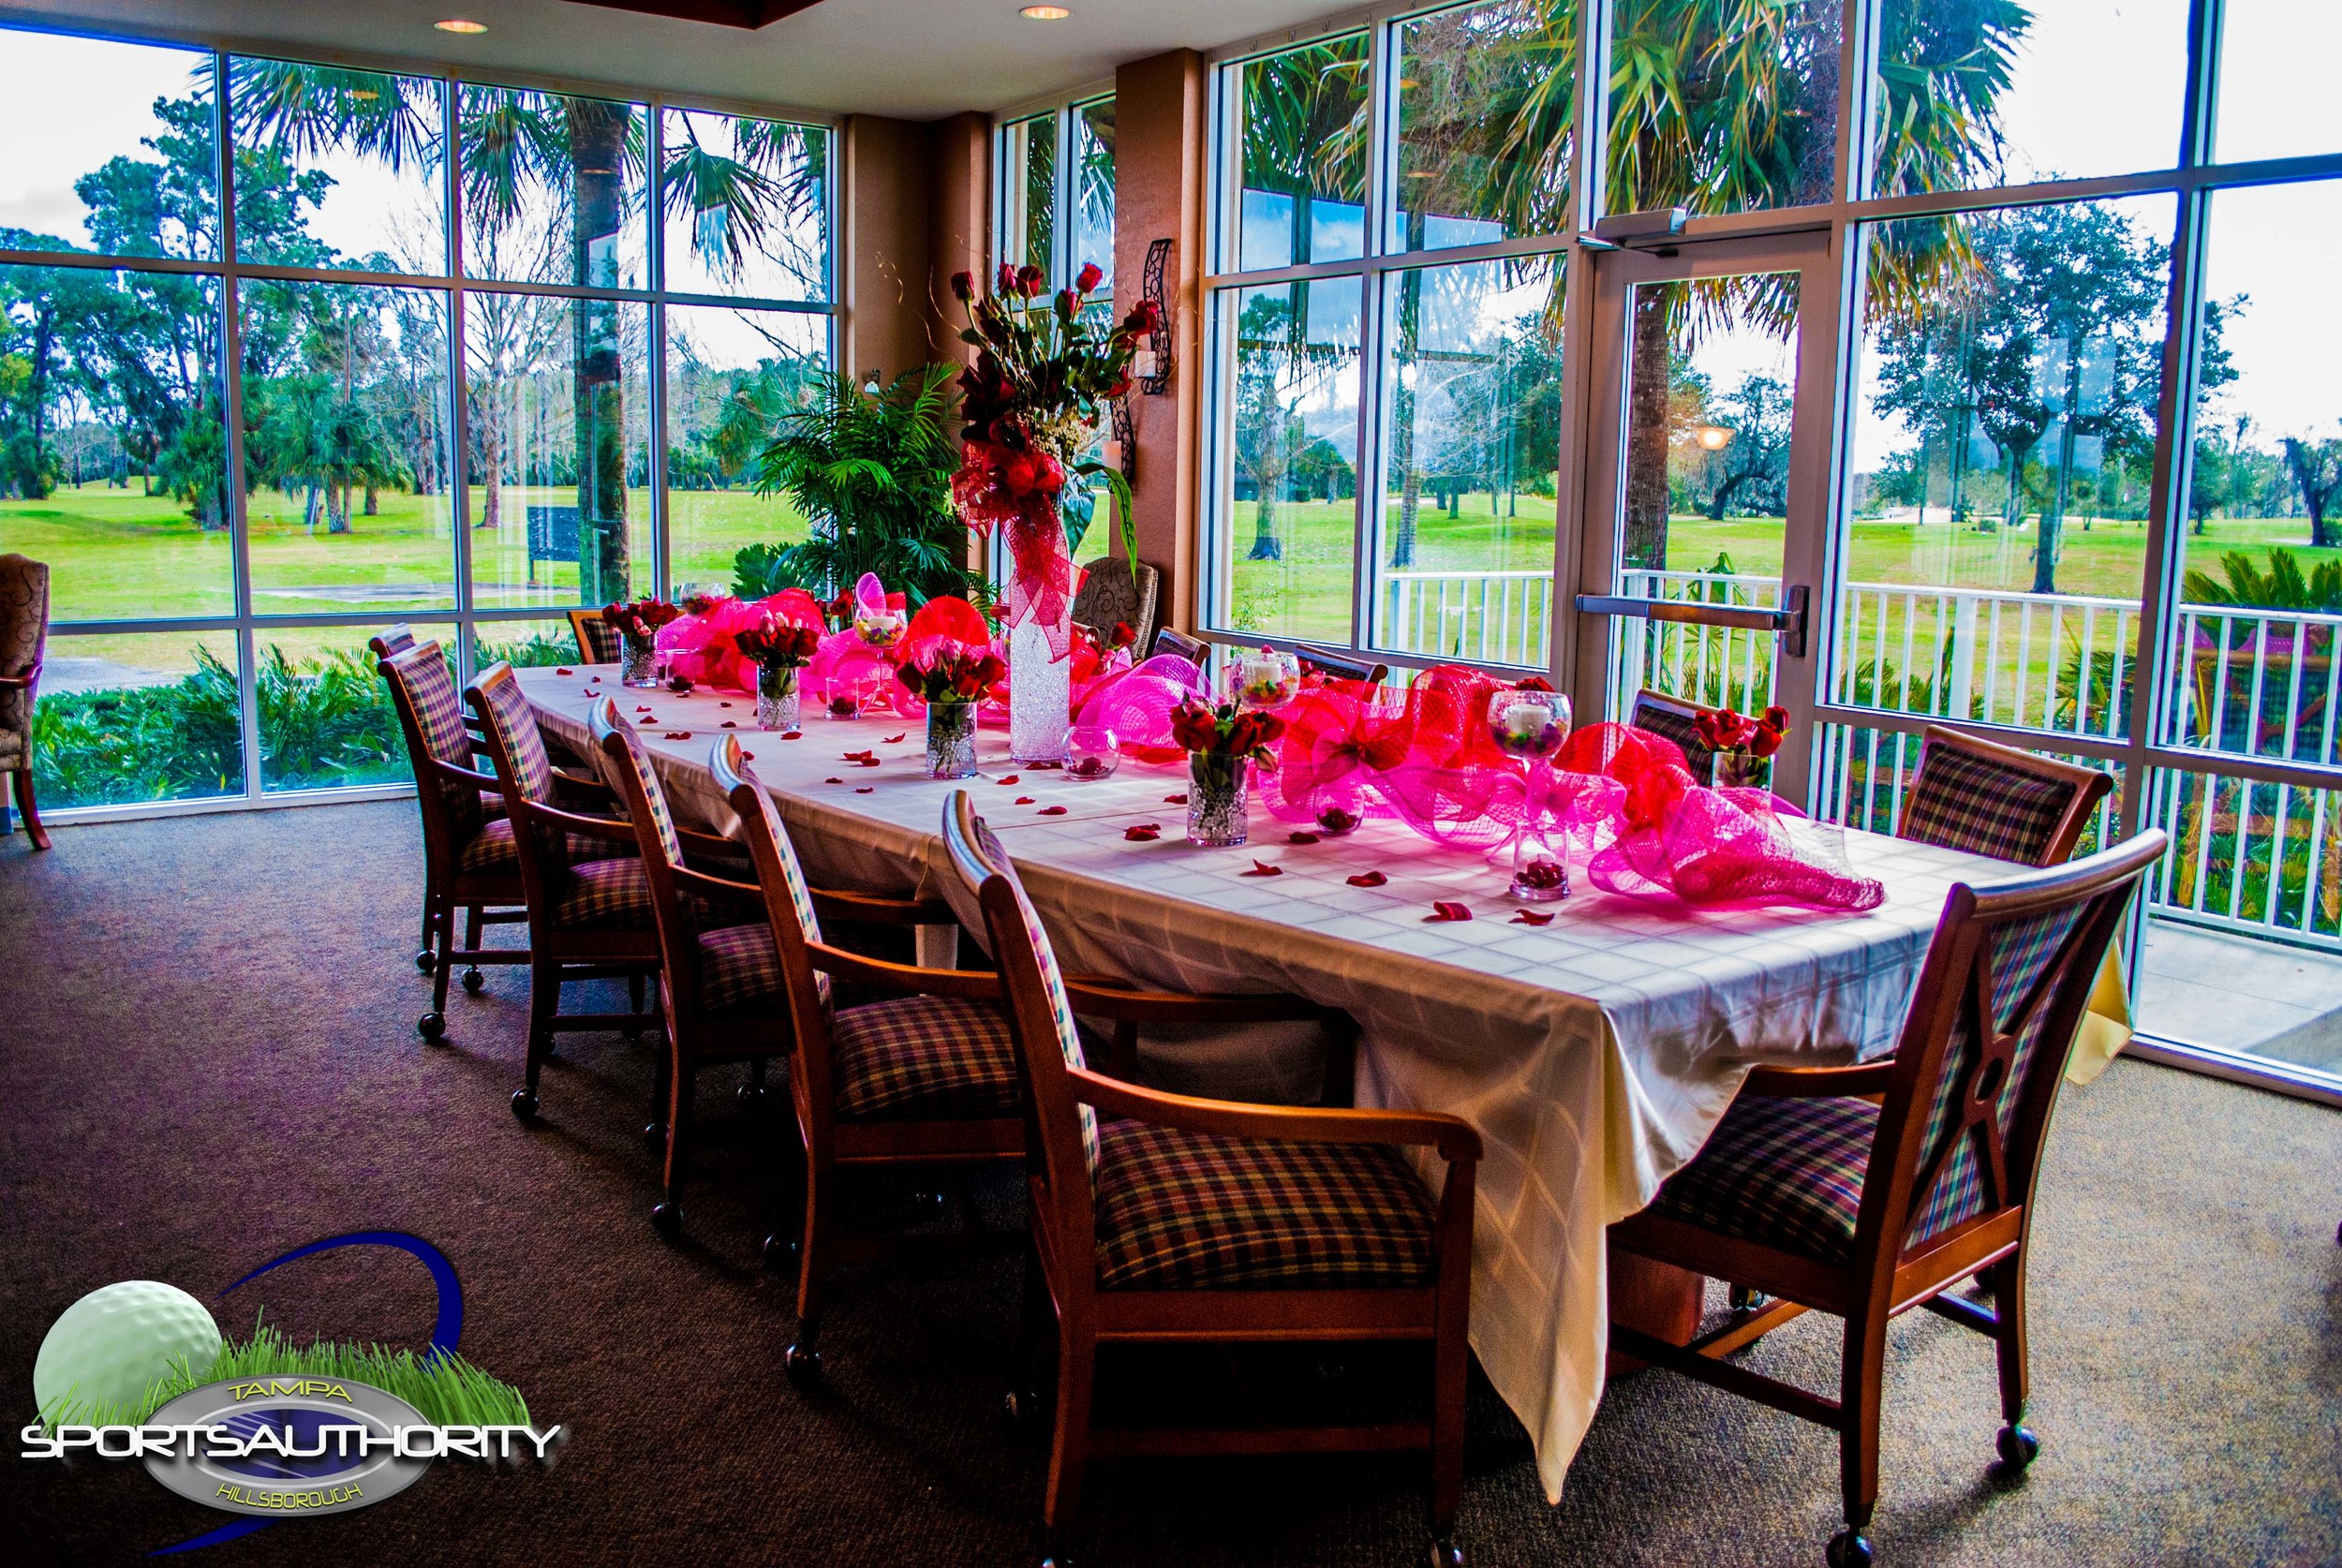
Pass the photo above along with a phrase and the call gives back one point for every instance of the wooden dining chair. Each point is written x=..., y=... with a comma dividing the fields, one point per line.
x=1341, y=666
x=23, y=636
x=926, y=1076
x=597, y=639
x=719, y=983
x=587, y=895
x=1870, y=1189
x=1974, y=794
x=469, y=861
x=1193, y=649
x=1672, y=719
x=1163, y=1218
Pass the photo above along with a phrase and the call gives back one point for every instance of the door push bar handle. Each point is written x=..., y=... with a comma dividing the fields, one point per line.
x=1789, y=620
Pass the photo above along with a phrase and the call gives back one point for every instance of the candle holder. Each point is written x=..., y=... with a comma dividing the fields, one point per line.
x=1262, y=678
x=1093, y=753
x=1530, y=725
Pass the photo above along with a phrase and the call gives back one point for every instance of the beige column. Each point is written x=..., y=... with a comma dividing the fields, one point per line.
x=1159, y=185
x=883, y=255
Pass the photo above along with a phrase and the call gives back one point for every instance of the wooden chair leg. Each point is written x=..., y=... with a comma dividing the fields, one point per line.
x=1450, y=1368
x=432, y=1026
x=682, y=1080
x=635, y=985
x=474, y=923
x=1069, y=1450
x=545, y=1002
x=814, y=1244
x=2016, y=1442
x=1341, y=1087
x=1861, y=1376
x=25, y=804
x=425, y=954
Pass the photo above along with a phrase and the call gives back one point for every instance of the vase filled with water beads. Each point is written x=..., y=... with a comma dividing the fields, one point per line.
x=1530, y=722
x=1262, y=678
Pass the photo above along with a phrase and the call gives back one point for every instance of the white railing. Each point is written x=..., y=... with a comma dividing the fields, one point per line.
x=2262, y=858
x=1478, y=618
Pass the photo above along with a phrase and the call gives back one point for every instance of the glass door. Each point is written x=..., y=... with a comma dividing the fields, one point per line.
x=1708, y=478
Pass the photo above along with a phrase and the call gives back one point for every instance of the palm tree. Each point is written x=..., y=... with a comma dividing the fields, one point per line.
x=586, y=155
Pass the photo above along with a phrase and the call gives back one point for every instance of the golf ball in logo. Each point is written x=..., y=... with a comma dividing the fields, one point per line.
x=108, y=1348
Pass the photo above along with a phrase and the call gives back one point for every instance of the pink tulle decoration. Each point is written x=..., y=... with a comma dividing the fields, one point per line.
x=704, y=649
x=1136, y=705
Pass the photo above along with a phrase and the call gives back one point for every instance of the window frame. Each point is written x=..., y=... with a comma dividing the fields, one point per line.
x=246, y=625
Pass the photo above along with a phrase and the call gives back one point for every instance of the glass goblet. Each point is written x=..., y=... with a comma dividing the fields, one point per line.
x=1531, y=726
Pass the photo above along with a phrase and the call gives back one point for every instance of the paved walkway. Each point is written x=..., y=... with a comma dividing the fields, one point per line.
x=2237, y=992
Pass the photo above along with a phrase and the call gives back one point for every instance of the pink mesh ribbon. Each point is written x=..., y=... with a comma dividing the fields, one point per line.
x=704, y=649
x=1621, y=800
x=1009, y=491
x=1136, y=703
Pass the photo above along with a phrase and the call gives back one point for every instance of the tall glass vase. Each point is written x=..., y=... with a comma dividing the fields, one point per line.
x=1218, y=796
x=951, y=740
x=776, y=700
x=1039, y=693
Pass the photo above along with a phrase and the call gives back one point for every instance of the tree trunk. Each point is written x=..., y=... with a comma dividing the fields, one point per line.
x=1410, y=477
x=596, y=136
x=373, y=502
x=1646, y=542
x=1265, y=545
x=338, y=509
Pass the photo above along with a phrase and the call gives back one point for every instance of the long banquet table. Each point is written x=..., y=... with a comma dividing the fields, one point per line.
x=1593, y=1054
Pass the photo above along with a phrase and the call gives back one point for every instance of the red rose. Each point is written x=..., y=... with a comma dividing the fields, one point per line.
x=1006, y=281
x=1022, y=473
x=1030, y=281
x=1122, y=636
x=1090, y=276
x=1777, y=718
x=963, y=286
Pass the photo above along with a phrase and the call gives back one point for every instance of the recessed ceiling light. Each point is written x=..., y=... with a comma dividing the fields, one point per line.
x=1045, y=13
x=457, y=24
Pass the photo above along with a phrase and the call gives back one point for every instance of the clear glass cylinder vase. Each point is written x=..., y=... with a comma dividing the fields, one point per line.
x=1740, y=769
x=1219, y=798
x=952, y=740
x=1040, y=693
x=777, y=701
x=638, y=662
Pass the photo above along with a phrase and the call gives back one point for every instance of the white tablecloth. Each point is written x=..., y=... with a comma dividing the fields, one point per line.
x=1594, y=1055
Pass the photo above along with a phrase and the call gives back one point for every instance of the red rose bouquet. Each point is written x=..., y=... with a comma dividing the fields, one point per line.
x=951, y=673
x=639, y=620
x=1226, y=731
x=1742, y=746
x=774, y=644
x=1220, y=743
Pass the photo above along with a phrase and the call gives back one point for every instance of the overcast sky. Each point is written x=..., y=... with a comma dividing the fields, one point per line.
x=2097, y=91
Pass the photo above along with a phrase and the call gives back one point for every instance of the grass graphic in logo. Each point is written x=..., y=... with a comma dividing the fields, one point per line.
x=445, y=1389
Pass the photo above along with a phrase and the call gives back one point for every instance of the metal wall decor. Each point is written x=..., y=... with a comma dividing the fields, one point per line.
x=1159, y=343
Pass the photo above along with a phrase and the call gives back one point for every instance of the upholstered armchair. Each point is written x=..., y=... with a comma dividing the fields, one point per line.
x=23, y=632
x=1111, y=592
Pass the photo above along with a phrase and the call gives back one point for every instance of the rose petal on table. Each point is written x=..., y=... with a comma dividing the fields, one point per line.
x=1531, y=917
x=865, y=788
x=793, y=735
x=727, y=724
x=1050, y=812
x=1139, y=832
x=1175, y=800
x=832, y=781
x=724, y=705
x=679, y=735
x=1024, y=800
x=1011, y=778
x=1262, y=868
x=564, y=670
x=1302, y=838
x=647, y=720
x=1368, y=878
x=1444, y=908
x=859, y=756
x=750, y=756
x=868, y=762
x=890, y=740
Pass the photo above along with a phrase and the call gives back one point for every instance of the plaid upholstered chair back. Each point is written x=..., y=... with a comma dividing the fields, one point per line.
x=431, y=714
x=23, y=636
x=627, y=763
x=1040, y=1013
x=524, y=770
x=1996, y=800
x=597, y=639
x=1671, y=719
x=2006, y=981
x=788, y=897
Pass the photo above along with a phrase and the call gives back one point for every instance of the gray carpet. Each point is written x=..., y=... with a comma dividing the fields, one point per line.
x=208, y=1055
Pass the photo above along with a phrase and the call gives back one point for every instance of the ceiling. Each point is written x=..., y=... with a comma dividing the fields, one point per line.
x=918, y=59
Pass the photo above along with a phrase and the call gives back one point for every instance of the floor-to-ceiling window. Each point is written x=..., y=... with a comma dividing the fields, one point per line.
x=292, y=352
x=1996, y=329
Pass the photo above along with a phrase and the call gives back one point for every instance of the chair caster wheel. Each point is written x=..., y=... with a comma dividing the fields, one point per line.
x=2018, y=1448
x=804, y=1366
x=1849, y=1550
x=667, y=1219
x=473, y=981
x=781, y=1252
x=654, y=1137
x=1445, y=1553
x=432, y=1027
x=525, y=1104
x=632, y=1032
x=751, y=1094
x=1027, y=1409
x=1743, y=1299
x=426, y=961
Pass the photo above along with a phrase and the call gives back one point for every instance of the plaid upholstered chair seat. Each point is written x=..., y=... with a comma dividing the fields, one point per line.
x=1179, y=1209
x=491, y=850
x=1785, y=1172
x=614, y=895
x=739, y=968
x=923, y=1059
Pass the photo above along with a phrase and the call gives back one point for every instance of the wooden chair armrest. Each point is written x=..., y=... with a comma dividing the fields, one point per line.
x=1451, y=1135
x=438, y=769
x=715, y=846
x=614, y=831
x=1104, y=996
x=23, y=681
x=720, y=890
x=968, y=985
x=869, y=908
x=574, y=789
x=1811, y=1083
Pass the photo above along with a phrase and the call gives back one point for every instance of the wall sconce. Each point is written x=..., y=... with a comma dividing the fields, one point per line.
x=1154, y=361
